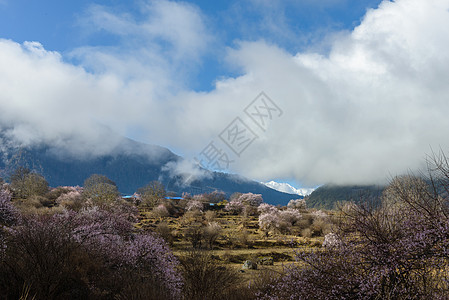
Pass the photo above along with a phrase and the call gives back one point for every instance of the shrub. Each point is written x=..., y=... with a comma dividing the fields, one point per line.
x=204, y=278
x=244, y=239
x=319, y=226
x=305, y=221
x=194, y=204
x=263, y=282
x=149, y=259
x=152, y=193
x=268, y=222
x=194, y=233
x=210, y=215
x=265, y=208
x=192, y=216
x=93, y=254
x=41, y=254
x=211, y=232
x=395, y=250
x=172, y=207
x=71, y=200
x=246, y=203
x=25, y=183
x=290, y=216
x=165, y=232
x=215, y=196
x=297, y=204
x=8, y=213
x=235, y=207
x=251, y=199
x=54, y=193
x=277, y=220
x=45, y=201
x=100, y=190
x=306, y=232
x=331, y=240
x=160, y=211
x=319, y=214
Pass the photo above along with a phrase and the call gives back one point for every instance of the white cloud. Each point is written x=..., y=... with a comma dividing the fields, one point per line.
x=163, y=45
x=43, y=99
x=373, y=107
x=187, y=171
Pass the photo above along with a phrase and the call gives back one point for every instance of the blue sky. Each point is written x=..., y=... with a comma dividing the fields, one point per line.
x=362, y=84
x=293, y=25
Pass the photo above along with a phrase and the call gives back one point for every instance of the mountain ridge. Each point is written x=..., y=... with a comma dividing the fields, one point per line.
x=329, y=196
x=288, y=188
x=130, y=165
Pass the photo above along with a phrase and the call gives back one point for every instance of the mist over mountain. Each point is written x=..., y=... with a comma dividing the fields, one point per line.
x=130, y=165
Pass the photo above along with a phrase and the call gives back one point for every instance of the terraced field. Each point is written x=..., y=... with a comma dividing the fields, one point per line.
x=239, y=239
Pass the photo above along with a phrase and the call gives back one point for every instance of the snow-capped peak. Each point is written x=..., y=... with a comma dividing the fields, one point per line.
x=287, y=188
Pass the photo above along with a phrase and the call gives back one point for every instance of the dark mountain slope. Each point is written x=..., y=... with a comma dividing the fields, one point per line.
x=328, y=196
x=131, y=165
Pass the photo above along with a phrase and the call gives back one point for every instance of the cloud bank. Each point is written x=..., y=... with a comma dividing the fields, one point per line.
x=371, y=107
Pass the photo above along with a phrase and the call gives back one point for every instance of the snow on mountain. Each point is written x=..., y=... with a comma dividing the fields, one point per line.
x=287, y=188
